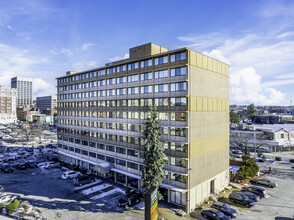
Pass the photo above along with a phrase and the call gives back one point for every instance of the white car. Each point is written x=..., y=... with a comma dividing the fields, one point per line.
x=7, y=199
x=52, y=164
x=70, y=174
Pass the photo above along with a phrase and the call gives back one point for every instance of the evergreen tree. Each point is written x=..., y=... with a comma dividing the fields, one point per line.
x=251, y=111
x=153, y=173
x=234, y=117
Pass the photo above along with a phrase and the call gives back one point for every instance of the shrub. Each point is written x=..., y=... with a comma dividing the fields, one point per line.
x=25, y=206
x=278, y=158
x=22, y=214
x=248, y=169
x=32, y=214
x=291, y=160
x=12, y=207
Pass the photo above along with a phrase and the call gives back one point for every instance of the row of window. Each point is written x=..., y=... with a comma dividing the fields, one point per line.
x=120, y=80
x=173, y=87
x=121, y=68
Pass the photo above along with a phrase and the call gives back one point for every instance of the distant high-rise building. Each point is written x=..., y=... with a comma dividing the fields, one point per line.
x=24, y=88
x=46, y=102
x=7, y=105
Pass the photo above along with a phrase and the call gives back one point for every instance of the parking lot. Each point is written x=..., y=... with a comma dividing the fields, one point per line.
x=56, y=198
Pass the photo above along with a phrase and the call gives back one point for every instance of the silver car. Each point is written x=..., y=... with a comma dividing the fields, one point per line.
x=265, y=182
x=7, y=199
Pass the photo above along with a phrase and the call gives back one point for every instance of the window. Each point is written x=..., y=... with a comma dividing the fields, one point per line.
x=110, y=159
x=121, y=91
x=101, y=82
x=101, y=72
x=121, y=80
x=133, y=153
x=85, y=94
x=85, y=76
x=110, y=92
x=78, y=77
x=161, y=88
x=110, y=148
x=161, y=102
x=179, y=178
x=160, y=60
x=178, y=162
x=146, y=89
x=181, y=86
x=178, y=116
x=282, y=136
x=133, y=66
x=133, y=102
x=132, y=127
x=133, y=165
x=146, y=76
x=100, y=157
x=178, y=71
x=182, y=132
x=178, y=147
x=77, y=150
x=85, y=85
x=120, y=150
x=133, y=115
x=93, y=94
x=145, y=102
x=121, y=68
x=133, y=78
x=178, y=57
x=110, y=103
x=121, y=103
x=121, y=162
x=111, y=70
x=92, y=144
x=85, y=152
x=91, y=154
x=93, y=74
x=133, y=90
x=111, y=81
x=101, y=93
x=93, y=84
x=161, y=74
x=180, y=101
x=163, y=116
x=101, y=146
x=146, y=63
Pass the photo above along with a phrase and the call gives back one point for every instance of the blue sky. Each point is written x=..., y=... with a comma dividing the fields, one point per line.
x=44, y=39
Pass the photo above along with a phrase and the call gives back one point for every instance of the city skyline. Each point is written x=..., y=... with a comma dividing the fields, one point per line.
x=38, y=40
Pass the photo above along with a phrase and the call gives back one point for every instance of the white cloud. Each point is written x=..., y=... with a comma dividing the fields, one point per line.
x=246, y=87
x=87, y=46
x=286, y=34
x=67, y=52
x=217, y=54
x=9, y=27
x=126, y=56
x=84, y=65
x=43, y=88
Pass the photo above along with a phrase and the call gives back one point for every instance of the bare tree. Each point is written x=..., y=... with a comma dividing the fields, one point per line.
x=240, y=141
x=27, y=132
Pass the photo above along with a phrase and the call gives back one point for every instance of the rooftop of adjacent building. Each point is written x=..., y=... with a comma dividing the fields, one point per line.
x=17, y=78
x=137, y=53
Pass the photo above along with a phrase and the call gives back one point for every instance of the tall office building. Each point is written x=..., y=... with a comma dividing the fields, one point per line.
x=46, y=102
x=24, y=91
x=102, y=114
x=7, y=105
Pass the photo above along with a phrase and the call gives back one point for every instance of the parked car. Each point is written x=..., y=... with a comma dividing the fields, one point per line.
x=6, y=168
x=1, y=189
x=52, y=165
x=265, y=182
x=21, y=166
x=256, y=190
x=292, y=167
x=227, y=210
x=214, y=214
x=129, y=199
x=82, y=180
x=7, y=199
x=251, y=195
x=240, y=198
x=70, y=174
x=32, y=164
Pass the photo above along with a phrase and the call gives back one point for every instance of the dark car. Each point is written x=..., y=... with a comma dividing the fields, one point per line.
x=251, y=195
x=265, y=182
x=32, y=164
x=227, y=210
x=130, y=199
x=214, y=214
x=1, y=189
x=82, y=180
x=292, y=167
x=256, y=190
x=6, y=168
x=238, y=197
x=21, y=166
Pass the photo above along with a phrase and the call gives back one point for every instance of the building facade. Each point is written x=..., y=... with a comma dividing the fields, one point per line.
x=46, y=102
x=7, y=105
x=24, y=88
x=101, y=116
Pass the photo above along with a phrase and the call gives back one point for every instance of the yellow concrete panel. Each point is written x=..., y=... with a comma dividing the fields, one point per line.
x=227, y=70
x=214, y=104
x=210, y=104
x=199, y=60
x=205, y=62
x=199, y=104
x=214, y=65
x=193, y=58
x=209, y=63
x=223, y=69
x=204, y=101
x=219, y=67
x=219, y=104
x=193, y=103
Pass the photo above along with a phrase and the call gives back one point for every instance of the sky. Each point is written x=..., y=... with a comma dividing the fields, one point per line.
x=45, y=39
